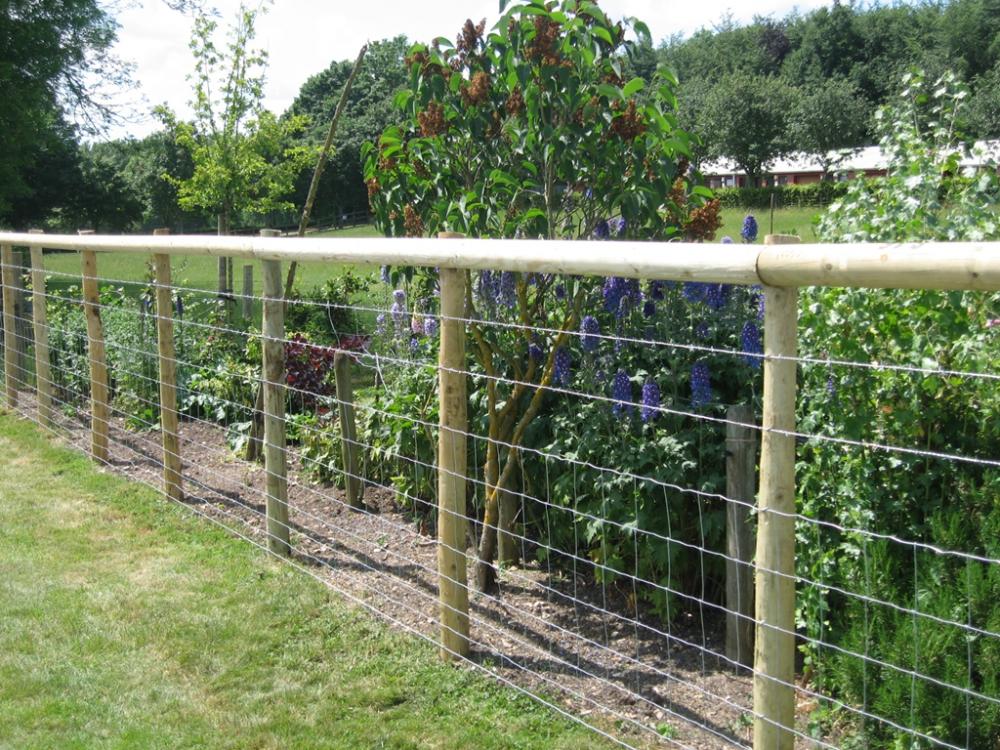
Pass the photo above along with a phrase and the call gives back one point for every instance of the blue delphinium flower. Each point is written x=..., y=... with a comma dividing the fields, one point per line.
x=602, y=230
x=399, y=296
x=694, y=291
x=656, y=290
x=414, y=343
x=179, y=306
x=430, y=326
x=727, y=240
x=380, y=323
x=650, y=401
x=717, y=295
x=535, y=352
x=701, y=330
x=618, y=226
x=621, y=392
x=560, y=291
x=561, y=374
x=384, y=273
x=749, y=231
x=612, y=291
x=701, y=385
x=648, y=308
x=507, y=293
x=590, y=329
x=751, y=344
x=398, y=309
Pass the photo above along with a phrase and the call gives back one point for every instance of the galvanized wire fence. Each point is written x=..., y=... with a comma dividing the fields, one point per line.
x=554, y=477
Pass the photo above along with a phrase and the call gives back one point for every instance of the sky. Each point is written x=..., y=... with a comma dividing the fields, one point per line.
x=302, y=37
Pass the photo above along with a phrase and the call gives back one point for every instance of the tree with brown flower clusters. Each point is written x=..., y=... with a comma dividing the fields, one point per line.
x=532, y=131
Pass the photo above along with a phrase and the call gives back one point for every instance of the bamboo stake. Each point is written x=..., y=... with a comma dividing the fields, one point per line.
x=321, y=163
x=9, y=325
x=247, y=292
x=453, y=586
x=774, y=654
x=741, y=475
x=40, y=324
x=273, y=386
x=169, y=429
x=348, y=429
x=98, y=362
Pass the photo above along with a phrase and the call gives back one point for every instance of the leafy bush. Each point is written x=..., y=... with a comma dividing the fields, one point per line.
x=941, y=503
x=812, y=195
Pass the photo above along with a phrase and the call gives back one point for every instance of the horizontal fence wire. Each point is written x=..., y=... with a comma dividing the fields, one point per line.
x=608, y=601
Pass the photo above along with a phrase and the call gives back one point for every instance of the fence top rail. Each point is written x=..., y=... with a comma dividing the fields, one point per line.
x=931, y=265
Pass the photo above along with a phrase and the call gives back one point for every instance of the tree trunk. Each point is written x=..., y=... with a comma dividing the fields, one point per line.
x=508, y=548
x=223, y=230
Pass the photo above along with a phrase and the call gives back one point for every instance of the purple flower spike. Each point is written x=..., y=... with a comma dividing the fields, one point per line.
x=621, y=392
x=507, y=294
x=650, y=401
x=749, y=231
x=386, y=279
x=590, y=329
x=648, y=309
x=727, y=240
x=560, y=291
x=656, y=290
x=535, y=352
x=602, y=231
x=701, y=385
x=561, y=374
x=430, y=326
x=399, y=296
x=752, y=344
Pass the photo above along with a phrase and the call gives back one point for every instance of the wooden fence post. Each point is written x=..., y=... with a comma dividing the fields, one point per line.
x=774, y=653
x=169, y=430
x=247, y=306
x=9, y=325
x=99, y=417
x=273, y=385
x=741, y=481
x=40, y=324
x=453, y=405
x=348, y=429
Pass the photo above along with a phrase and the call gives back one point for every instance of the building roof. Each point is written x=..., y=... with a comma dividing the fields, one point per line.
x=866, y=159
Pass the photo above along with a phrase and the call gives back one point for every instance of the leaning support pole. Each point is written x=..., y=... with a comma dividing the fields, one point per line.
x=99, y=418
x=273, y=385
x=168, y=376
x=9, y=325
x=40, y=326
x=774, y=653
x=453, y=581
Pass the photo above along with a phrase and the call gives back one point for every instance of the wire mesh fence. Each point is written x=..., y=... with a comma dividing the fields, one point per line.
x=554, y=477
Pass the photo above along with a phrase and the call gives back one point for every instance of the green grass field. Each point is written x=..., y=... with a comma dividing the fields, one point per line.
x=798, y=221
x=129, y=623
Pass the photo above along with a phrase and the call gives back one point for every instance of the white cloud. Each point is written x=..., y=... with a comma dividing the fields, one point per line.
x=302, y=37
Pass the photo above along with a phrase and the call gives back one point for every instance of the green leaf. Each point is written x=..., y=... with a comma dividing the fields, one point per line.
x=611, y=91
x=633, y=87
x=602, y=33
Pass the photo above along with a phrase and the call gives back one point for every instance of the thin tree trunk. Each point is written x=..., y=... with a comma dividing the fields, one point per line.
x=321, y=164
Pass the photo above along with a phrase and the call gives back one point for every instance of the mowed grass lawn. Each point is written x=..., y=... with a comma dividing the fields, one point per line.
x=129, y=623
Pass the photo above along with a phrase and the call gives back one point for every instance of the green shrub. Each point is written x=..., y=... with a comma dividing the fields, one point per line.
x=812, y=195
x=943, y=504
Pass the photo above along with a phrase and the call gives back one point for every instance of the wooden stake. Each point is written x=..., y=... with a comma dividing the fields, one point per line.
x=169, y=428
x=99, y=418
x=774, y=654
x=741, y=481
x=453, y=581
x=40, y=324
x=9, y=325
x=247, y=291
x=348, y=429
x=275, y=463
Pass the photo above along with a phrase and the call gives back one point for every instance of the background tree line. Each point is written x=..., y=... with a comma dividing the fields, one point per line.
x=750, y=93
